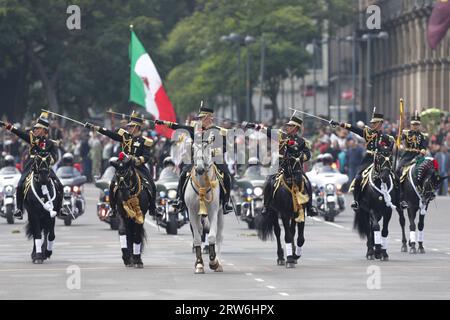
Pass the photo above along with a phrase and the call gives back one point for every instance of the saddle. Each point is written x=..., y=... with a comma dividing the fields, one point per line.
x=405, y=171
x=365, y=178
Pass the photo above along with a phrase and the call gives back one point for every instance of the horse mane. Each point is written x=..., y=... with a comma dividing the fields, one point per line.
x=423, y=169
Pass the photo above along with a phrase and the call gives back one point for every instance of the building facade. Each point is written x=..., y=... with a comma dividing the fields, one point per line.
x=404, y=66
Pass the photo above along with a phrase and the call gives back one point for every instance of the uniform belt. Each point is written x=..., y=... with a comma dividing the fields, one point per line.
x=370, y=152
x=412, y=150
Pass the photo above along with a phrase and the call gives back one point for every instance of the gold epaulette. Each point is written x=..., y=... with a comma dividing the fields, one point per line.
x=148, y=142
x=121, y=132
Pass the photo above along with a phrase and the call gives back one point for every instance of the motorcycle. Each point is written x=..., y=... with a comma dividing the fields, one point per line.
x=104, y=211
x=9, y=178
x=250, y=192
x=74, y=204
x=166, y=194
x=327, y=196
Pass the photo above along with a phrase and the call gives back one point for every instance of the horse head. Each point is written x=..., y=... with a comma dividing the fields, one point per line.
x=429, y=174
x=123, y=166
x=383, y=163
x=202, y=157
x=41, y=166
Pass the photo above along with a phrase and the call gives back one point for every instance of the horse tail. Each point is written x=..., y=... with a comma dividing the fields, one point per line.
x=361, y=223
x=29, y=230
x=264, y=226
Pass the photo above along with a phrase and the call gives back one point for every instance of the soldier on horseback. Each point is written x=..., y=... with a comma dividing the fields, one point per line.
x=415, y=144
x=137, y=147
x=373, y=137
x=206, y=118
x=291, y=145
x=38, y=140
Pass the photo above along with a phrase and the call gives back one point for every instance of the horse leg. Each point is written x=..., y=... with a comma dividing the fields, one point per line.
x=38, y=257
x=50, y=238
x=370, y=255
x=277, y=231
x=205, y=233
x=293, y=224
x=197, y=229
x=402, y=225
x=214, y=263
x=290, y=261
x=420, y=226
x=376, y=236
x=137, y=231
x=412, y=230
x=300, y=240
x=126, y=254
x=384, y=236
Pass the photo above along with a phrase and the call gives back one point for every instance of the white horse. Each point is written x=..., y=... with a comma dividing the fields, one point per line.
x=202, y=198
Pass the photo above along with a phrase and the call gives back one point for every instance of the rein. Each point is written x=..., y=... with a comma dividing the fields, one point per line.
x=203, y=191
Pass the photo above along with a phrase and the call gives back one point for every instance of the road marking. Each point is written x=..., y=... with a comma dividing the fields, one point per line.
x=259, y=279
x=283, y=293
x=270, y=287
x=249, y=274
x=434, y=249
x=448, y=253
x=329, y=223
x=398, y=240
x=229, y=264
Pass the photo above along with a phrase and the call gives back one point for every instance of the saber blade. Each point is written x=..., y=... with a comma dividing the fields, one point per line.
x=64, y=117
x=310, y=115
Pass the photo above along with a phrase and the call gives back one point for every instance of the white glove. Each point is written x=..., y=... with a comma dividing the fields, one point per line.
x=53, y=213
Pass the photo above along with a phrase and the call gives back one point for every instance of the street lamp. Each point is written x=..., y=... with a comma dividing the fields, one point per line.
x=383, y=35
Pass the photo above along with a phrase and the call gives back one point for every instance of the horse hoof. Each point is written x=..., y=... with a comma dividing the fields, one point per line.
x=138, y=265
x=378, y=256
x=38, y=261
x=404, y=248
x=370, y=257
x=385, y=257
x=281, y=262
x=422, y=250
x=199, y=269
x=219, y=268
x=290, y=265
x=413, y=251
x=48, y=254
x=214, y=264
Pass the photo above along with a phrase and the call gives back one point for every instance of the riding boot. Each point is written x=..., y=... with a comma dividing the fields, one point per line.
x=152, y=203
x=312, y=211
x=112, y=198
x=20, y=198
x=267, y=195
x=179, y=204
x=356, y=192
x=227, y=207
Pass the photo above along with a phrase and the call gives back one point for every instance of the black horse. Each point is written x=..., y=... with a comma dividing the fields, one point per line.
x=42, y=201
x=377, y=197
x=132, y=203
x=419, y=187
x=281, y=204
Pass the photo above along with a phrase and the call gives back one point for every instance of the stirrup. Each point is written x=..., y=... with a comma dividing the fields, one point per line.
x=18, y=214
x=355, y=205
x=227, y=208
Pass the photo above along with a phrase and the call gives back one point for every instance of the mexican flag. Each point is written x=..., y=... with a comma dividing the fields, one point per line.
x=439, y=23
x=146, y=88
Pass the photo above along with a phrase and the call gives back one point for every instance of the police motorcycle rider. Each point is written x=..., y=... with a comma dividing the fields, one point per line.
x=134, y=145
x=291, y=145
x=38, y=141
x=373, y=136
x=206, y=122
x=9, y=161
x=415, y=144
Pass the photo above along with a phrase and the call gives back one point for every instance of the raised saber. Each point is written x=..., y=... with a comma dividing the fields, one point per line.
x=126, y=115
x=64, y=117
x=310, y=115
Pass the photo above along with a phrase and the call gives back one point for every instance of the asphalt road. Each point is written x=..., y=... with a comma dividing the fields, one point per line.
x=87, y=264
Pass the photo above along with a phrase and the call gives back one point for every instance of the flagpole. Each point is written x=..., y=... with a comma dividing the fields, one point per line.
x=399, y=135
